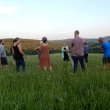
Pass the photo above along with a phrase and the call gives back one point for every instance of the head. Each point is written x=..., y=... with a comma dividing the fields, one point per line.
x=64, y=44
x=17, y=40
x=101, y=40
x=76, y=33
x=2, y=41
x=41, y=42
x=85, y=43
x=44, y=39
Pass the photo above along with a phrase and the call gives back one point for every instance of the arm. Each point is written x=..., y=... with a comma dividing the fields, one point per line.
x=36, y=49
x=102, y=48
x=1, y=51
x=21, y=51
x=12, y=51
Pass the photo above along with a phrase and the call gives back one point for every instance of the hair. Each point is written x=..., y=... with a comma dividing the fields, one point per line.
x=1, y=40
x=85, y=43
x=16, y=39
x=44, y=39
x=76, y=32
x=100, y=38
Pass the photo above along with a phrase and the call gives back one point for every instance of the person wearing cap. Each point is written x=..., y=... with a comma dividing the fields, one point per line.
x=19, y=55
x=86, y=50
x=3, y=54
x=39, y=51
x=105, y=48
x=45, y=58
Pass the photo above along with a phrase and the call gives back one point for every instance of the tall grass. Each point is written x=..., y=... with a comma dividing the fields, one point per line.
x=58, y=90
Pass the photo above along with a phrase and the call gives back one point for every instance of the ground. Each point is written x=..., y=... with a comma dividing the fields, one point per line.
x=61, y=89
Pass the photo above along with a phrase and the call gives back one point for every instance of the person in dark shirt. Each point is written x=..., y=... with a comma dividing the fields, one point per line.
x=19, y=55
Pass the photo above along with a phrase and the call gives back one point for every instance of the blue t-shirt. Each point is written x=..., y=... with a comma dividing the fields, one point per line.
x=86, y=49
x=106, y=47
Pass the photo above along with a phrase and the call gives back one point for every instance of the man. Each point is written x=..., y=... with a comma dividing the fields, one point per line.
x=3, y=54
x=77, y=44
x=105, y=47
x=86, y=51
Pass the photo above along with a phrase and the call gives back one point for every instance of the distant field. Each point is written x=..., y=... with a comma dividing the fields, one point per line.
x=58, y=90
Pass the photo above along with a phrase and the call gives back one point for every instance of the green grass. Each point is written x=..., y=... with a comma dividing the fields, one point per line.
x=58, y=90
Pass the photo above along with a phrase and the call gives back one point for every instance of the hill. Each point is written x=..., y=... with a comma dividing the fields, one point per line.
x=90, y=41
x=29, y=44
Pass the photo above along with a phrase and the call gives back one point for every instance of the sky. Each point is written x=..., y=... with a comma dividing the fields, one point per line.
x=55, y=19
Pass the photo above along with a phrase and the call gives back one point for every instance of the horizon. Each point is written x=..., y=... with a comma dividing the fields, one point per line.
x=57, y=20
x=57, y=39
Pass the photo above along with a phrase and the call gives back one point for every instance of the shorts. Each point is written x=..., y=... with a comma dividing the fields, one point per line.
x=106, y=60
x=4, y=61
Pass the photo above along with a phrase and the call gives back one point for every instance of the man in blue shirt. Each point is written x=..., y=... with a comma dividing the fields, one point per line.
x=86, y=50
x=105, y=47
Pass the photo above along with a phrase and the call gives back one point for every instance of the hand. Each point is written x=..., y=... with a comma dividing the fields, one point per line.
x=25, y=56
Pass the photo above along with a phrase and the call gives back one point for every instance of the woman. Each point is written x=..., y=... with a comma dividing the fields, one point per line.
x=65, y=51
x=45, y=58
x=86, y=50
x=39, y=52
x=18, y=55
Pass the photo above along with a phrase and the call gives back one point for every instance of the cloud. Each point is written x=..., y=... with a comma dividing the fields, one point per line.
x=9, y=9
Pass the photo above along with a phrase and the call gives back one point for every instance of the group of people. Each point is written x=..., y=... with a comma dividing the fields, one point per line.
x=79, y=52
x=19, y=55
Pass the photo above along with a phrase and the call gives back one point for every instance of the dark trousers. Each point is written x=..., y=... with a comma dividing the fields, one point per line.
x=81, y=60
x=86, y=57
x=20, y=62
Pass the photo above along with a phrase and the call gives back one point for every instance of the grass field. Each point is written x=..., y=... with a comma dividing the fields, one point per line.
x=58, y=90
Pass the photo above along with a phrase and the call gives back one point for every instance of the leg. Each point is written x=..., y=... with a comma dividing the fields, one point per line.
x=109, y=65
x=86, y=57
x=75, y=60
x=17, y=65
x=45, y=68
x=4, y=62
x=104, y=60
x=22, y=63
x=50, y=68
x=81, y=60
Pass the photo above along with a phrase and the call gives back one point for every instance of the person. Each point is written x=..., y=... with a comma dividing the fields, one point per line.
x=77, y=44
x=12, y=52
x=65, y=51
x=105, y=48
x=39, y=52
x=86, y=50
x=45, y=58
x=3, y=58
x=19, y=54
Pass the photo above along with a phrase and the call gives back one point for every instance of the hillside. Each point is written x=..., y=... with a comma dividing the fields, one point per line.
x=29, y=44
x=90, y=41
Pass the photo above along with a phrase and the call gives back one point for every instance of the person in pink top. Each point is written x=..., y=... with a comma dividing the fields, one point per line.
x=77, y=44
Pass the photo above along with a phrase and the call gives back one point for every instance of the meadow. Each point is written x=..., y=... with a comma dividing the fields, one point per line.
x=61, y=89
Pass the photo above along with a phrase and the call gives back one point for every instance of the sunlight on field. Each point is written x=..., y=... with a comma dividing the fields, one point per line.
x=58, y=90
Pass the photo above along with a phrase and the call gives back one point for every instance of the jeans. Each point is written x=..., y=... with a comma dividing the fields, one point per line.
x=20, y=62
x=81, y=60
x=86, y=57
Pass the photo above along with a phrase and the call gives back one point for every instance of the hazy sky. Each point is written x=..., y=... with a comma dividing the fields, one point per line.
x=55, y=19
